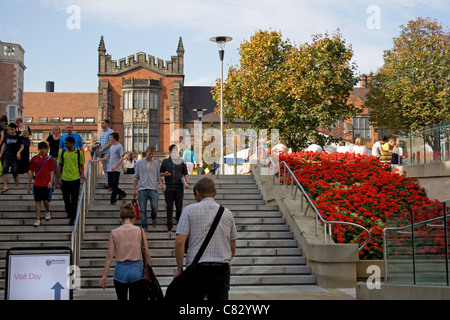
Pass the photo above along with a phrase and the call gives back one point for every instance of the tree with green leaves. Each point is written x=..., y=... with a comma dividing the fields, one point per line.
x=410, y=90
x=294, y=89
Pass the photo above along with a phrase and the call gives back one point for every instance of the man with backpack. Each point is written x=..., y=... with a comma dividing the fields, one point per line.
x=42, y=169
x=70, y=172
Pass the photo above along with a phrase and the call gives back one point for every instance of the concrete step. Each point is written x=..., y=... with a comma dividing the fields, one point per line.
x=99, y=262
x=243, y=252
x=236, y=280
x=266, y=253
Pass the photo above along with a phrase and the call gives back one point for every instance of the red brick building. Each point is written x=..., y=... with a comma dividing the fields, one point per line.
x=142, y=96
x=12, y=69
x=44, y=110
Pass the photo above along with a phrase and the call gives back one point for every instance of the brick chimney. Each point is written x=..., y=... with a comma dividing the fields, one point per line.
x=363, y=81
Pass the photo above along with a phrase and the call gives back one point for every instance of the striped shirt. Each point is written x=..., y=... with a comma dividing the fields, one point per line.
x=104, y=139
x=195, y=221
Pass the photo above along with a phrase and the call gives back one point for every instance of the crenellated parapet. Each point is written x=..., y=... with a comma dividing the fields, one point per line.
x=108, y=67
x=12, y=53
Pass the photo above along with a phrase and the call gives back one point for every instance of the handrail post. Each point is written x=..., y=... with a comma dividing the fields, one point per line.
x=446, y=242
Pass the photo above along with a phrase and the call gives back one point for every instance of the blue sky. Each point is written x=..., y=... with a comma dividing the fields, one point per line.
x=61, y=37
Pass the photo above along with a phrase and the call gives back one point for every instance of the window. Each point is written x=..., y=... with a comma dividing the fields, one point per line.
x=154, y=100
x=361, y=127
x=127, y=100
x=36, y=138
x=12, y=113
x=140, y=138
x=54, y=119
x=67, y=119
x=42, y=119
x=90, y=120
x=79, y=120
x=140, y=99
x=28, y=120
x=127, y=141
x=86, y=137
x=154, y=138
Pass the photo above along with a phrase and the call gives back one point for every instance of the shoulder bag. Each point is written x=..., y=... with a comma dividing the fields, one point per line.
x=151, y=284
x=182, y=286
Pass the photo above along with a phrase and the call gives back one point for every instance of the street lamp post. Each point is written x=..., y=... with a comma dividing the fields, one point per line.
x=199, y=136
x=221, y=41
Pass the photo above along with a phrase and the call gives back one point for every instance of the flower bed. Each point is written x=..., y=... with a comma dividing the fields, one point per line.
x=358, y=189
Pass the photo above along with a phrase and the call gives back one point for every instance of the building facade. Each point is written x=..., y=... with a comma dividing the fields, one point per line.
x=12, y=69
x=44, y=110
x=142, y=97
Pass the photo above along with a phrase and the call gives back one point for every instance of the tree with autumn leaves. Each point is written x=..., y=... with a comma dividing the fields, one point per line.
x=294, y=89
x=411, y=89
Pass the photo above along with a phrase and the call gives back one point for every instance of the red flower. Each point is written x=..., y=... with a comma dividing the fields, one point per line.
x=358, y=189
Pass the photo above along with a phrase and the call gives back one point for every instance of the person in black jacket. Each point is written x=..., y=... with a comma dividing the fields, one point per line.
x=176, y=178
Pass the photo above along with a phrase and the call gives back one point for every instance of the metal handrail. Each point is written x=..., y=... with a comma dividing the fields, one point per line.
x=318, y=214
x=86, y=197
x=412, y=226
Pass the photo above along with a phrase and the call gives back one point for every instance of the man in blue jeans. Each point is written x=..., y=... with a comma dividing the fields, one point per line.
x=145, y=186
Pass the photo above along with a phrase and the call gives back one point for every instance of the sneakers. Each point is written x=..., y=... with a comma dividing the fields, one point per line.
x=38, y=222
x=123, y=196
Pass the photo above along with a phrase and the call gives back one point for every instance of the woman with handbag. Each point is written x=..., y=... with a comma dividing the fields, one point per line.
x=127, y=244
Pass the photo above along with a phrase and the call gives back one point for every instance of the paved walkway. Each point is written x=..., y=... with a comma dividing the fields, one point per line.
x=249, y=293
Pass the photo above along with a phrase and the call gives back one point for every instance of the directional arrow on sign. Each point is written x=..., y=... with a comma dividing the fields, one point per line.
x=57, y=287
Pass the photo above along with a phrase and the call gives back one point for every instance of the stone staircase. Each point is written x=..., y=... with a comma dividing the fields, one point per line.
x=266, y=254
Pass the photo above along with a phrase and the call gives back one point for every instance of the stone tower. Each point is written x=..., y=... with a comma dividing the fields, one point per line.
x=12, y=69
x=142, y=97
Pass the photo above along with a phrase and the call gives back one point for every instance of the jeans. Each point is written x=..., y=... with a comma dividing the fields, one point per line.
x=174, y=194
x=113, y=180
x=128, y=277
x=143, y=196
x=55, y=181
x=70, y=191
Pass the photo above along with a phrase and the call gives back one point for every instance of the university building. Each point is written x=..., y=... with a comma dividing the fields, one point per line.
x=12, y=69
x=146, y=102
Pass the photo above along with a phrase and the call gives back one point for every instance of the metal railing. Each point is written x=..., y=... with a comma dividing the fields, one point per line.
x=427, y=145
x=86, y=198
x=297, y=185
x=420, y=250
